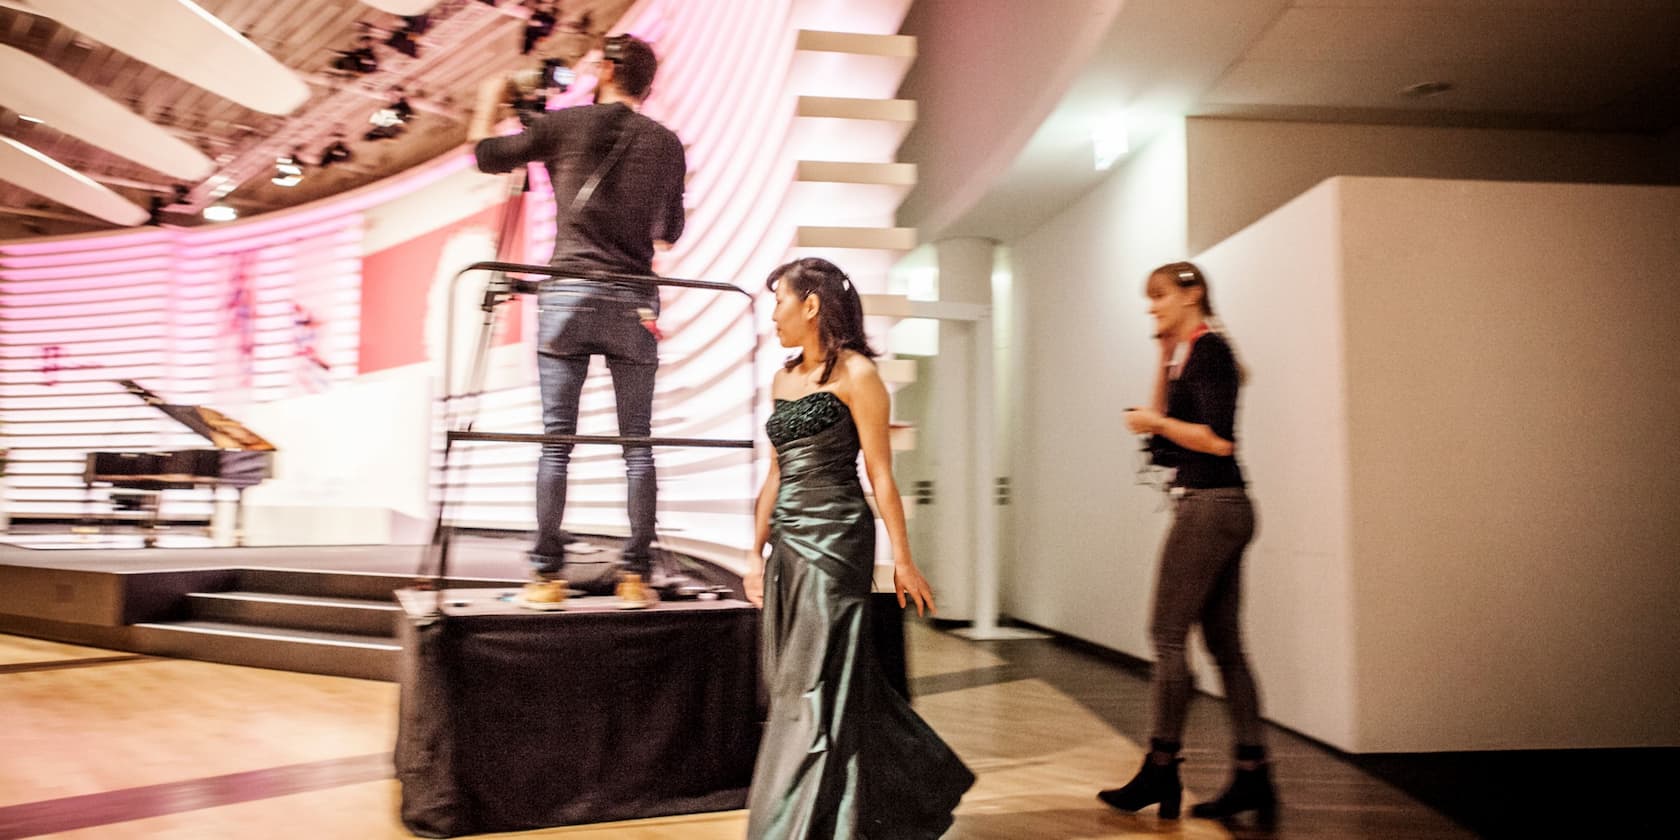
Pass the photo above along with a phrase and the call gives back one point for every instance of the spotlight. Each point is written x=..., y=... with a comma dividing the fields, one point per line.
x=537, y=28
x=335, y=153
x=287, y=171
x=402, y=42
x=220, y=213
x=390, y=121
x=359, y=60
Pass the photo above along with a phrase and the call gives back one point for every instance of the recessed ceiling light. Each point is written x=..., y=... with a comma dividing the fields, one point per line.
x=1110, y=140
x=1424, y=90
x=27, y=118
x=220, y=213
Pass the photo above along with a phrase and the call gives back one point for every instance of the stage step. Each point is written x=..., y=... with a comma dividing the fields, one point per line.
x=320, y=622
x=308, y=651
x=367, y=586
x=298, y=612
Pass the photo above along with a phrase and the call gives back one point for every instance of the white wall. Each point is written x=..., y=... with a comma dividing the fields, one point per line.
x=1512, y=390
x=1241, y=170
x=989, y=78
x=1456, y=434
x=352, y=466
x=1277, y=286
x=1085, y=535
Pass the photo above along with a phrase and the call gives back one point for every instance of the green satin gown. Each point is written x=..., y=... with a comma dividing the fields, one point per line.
x=843, y=755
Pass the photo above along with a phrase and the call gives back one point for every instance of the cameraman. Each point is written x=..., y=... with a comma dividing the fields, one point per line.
x=618, y=189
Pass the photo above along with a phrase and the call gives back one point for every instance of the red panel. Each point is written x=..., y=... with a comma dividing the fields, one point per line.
x=395, y=284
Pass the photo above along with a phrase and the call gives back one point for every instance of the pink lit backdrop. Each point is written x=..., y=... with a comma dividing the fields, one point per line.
x=287, y=305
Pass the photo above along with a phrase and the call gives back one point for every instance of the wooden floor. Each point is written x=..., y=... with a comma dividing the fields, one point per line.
x=97, y=744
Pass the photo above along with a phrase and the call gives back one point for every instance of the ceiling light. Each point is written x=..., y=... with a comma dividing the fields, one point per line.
x=335, y=153
x=287, y=172
x=220, y=213
x=537, y=28
x=358, y=60
x=390, y=121
x=27, y=118
x=403, y=42
x=1110, y=140
x=1424, y=90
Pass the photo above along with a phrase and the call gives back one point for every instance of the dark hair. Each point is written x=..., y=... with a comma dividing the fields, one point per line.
x=633, y=64
x=839, y=309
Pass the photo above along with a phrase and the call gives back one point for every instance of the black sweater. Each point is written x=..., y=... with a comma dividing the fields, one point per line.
x=639, y=200
x=1205, y=392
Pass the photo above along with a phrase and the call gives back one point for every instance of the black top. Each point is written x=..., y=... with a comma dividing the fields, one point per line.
x=638, y=200
x=794, y=419
x=1205, y=392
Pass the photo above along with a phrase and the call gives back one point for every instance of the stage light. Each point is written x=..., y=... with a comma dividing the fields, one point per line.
x=220, y=213
x=359, y=60
x=403, y=43
x=337, y=152
x=390, y=121
x=537, y=28
x=287, y=172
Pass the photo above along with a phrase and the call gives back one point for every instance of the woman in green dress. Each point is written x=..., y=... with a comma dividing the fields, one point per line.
x=843, y=755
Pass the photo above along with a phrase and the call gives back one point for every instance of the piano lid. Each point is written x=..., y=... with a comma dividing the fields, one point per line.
x=214, y=426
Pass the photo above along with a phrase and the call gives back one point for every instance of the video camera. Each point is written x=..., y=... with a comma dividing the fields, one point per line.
x=532, y=88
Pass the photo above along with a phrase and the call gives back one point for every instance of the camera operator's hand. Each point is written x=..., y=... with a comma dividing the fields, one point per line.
x=494, y=94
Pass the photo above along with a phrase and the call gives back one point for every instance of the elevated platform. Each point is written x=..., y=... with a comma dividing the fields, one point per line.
x=314, y=609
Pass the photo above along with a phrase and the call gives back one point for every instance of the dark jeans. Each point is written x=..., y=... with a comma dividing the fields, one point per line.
x=1201, y=581
x=575, y=321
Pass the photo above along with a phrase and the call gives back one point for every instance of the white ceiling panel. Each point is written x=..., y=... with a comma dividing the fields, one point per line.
x=31, y=86
x=402, y=7
x=39, y=174
x=180, y=38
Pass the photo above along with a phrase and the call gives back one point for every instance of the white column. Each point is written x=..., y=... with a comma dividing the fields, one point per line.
x=948, y=433
x=964, y=429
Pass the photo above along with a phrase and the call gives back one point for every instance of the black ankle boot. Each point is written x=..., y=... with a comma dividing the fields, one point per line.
x=1157, y=781
x=1250, y=790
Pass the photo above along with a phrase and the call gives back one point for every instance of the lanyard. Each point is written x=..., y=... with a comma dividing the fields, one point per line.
x=1182, y=352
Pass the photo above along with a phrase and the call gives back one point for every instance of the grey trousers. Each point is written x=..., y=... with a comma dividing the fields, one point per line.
x=1201, y=581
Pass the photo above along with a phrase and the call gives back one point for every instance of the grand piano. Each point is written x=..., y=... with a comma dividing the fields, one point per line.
x=241, y=458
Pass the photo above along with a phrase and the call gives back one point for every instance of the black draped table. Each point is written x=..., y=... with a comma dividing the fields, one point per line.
x=513, y=719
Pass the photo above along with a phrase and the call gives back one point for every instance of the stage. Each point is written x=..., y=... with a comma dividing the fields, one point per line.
x=317, y=609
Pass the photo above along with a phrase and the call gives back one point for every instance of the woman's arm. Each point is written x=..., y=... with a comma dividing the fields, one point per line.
x=1214, y=393
x=871, y=409
x=1197, y=437
x=761, y=509
x=753, y=581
